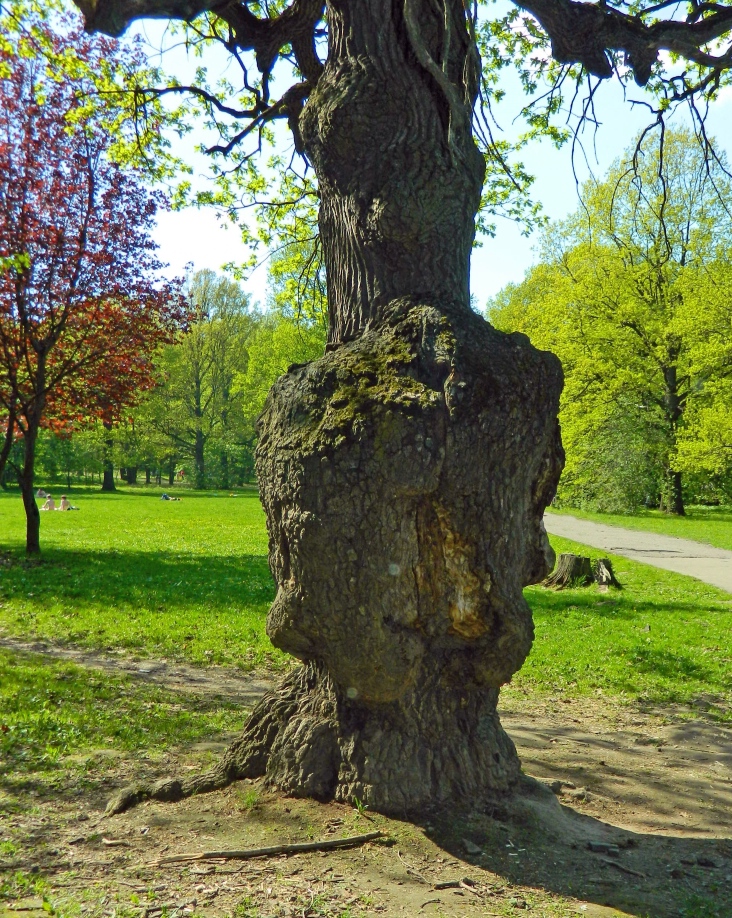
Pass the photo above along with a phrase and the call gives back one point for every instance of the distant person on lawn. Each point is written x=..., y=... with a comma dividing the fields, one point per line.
x=50, y=504
x=65, y=505
x=41, y=493
x=168, y=497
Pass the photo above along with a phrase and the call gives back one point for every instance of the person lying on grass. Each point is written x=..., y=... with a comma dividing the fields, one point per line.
x=168, y=497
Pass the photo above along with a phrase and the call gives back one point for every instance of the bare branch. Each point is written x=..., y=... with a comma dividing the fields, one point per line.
x=584, y=33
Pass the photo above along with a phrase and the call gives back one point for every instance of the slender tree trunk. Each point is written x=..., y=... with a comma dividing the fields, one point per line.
x=108, y=467
x=405, y=474
x=171, y=473
x=676, y=503
x=147, y=475
x=199, y=460
x=674, y=411
x=225, y=478
x=7, y=444
x=26, y=481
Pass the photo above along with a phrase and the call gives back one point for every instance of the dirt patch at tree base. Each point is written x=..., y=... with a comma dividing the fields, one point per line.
x=638, y=821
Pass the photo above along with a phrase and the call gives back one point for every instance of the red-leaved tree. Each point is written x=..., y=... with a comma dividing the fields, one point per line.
x=81, y=313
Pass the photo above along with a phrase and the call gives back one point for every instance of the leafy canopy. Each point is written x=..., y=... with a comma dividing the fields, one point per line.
x=633, y=294
x=561, y=49
x=80, y=306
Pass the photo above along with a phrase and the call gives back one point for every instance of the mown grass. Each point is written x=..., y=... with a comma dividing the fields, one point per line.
x=50, y=710
x=663, y=637
x=190, y=580
x=185, y=580
x=712, y=525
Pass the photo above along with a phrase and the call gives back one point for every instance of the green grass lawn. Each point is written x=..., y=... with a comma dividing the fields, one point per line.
x=183, y=580
x=662, y=637
x=712, y=525
x=190, y=580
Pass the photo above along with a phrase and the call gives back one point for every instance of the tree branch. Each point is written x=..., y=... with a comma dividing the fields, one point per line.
x=584, y=33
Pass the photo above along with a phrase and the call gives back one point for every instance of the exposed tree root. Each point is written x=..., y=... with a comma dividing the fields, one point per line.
x=169, y=790
x=247, y=757
x=310, y=740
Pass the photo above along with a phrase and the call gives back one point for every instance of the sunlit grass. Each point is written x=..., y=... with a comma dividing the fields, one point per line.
x=185, y=580
x=663, y=637
x=190, y=580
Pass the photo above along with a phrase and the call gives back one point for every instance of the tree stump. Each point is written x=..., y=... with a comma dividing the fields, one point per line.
x=602, y=572
x=572, y=570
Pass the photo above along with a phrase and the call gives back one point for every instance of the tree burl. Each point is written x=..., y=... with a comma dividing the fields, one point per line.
x=404, y=474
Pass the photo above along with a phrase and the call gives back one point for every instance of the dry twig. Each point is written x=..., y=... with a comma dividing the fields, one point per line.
x=622, y=868
x=295, y=848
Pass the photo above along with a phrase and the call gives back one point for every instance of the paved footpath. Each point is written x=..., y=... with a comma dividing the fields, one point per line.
x=695, y=559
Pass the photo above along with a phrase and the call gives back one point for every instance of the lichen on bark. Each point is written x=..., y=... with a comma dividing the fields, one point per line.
x=404, y=475
x=432, y=440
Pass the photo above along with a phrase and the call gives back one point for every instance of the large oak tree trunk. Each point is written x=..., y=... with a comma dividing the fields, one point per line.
x=405, y=474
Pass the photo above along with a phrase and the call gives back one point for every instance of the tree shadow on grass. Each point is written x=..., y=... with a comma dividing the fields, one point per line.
x=202, y=608
x=616, y=605
x=138, y=578
x=671, y=666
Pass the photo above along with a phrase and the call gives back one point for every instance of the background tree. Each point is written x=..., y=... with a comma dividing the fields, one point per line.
x=293, y=329
x=623, y=298
x=194, y=405
x=247, y=356
x=704, y=443
x=79, y=313
x=405, y=473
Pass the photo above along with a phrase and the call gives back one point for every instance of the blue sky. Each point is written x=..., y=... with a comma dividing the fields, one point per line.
x=204, y=239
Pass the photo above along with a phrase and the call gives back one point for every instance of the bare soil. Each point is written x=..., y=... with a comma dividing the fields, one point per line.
x=631, y=814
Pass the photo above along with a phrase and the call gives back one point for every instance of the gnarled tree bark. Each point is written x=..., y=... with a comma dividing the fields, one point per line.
x=404, y=475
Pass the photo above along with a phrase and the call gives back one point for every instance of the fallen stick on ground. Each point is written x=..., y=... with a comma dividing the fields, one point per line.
x=623, y=868
x=247, y=853
x=458, y=884
x=411, y=870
